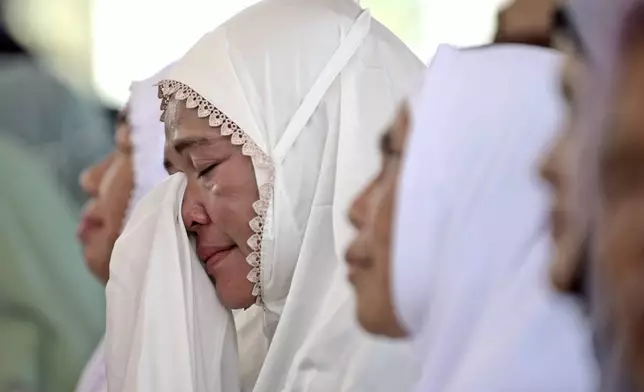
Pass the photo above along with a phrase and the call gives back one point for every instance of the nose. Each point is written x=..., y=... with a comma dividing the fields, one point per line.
x=193, y=212
x=358, y=210
x=549, y=168
x=90, y=178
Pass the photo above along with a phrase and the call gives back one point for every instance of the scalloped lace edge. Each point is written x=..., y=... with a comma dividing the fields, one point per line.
x=216, y=119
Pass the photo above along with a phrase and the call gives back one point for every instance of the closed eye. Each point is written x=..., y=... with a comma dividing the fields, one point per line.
x=206, y=170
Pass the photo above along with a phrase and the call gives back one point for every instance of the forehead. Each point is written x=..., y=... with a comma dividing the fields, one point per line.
x=181, y=122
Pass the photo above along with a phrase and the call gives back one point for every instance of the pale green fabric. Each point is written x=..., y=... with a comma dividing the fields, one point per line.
x=51, y=308
x=67, y=131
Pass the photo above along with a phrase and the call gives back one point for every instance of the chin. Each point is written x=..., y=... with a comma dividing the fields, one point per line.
x=234, y=297
x=376, y=322
x=97, y=264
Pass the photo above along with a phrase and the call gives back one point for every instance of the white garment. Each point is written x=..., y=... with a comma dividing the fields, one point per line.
x=472, y=248
x=148, y=137
x=166, y=306
x=305, y=88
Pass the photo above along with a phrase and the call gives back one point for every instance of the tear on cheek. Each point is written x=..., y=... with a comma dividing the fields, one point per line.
x=213, y=188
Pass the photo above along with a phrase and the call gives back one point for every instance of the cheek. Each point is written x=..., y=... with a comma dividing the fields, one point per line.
x=621, y=249
x=383, y=210
x=116, y=190
x=622, y=230
x=229, y=196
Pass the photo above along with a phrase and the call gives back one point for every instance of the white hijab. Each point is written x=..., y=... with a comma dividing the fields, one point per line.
x=305, y=88
x=471, y=242
x=147, y=136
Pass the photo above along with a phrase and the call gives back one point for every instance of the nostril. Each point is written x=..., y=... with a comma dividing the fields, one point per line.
x=193, y=225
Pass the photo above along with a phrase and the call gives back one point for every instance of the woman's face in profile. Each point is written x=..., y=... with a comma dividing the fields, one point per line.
x=218, y=203
x=559, y=169
x=109, y=184
x=369, y=255
x=620, y=231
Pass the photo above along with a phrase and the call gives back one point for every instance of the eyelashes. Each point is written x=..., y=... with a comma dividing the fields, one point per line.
x=206, y=170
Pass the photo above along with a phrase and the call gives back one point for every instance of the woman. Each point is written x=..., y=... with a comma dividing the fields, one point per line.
x=271, y=125
x=469, y=272
x=611, y=158
x=617, y=262
x=51, y=311
x=115, y=185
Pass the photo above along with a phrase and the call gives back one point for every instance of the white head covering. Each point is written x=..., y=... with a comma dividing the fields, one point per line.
x=471, y=243
x=162, y=305
x=147, y=136
x=305, y=88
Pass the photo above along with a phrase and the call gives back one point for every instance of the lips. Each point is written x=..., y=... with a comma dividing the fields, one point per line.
x=86, y=227
x=356, y=261
x=212, y=256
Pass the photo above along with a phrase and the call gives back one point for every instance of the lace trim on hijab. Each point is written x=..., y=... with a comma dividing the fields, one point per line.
x=216, y=119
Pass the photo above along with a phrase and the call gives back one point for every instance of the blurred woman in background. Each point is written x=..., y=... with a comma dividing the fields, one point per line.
x=619, y=232
x=612, y=128
x=51, y=310
x=115, y=184
x=595, y=166
x=458, y=207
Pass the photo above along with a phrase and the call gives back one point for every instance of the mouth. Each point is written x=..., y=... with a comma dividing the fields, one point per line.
x=215, y=257
x=86, y=227
x=354, y=264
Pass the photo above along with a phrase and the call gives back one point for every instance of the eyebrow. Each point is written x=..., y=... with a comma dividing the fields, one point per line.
x=180, y=145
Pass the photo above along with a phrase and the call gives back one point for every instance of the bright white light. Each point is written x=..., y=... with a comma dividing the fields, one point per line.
x=133, y=39
x=460, y=23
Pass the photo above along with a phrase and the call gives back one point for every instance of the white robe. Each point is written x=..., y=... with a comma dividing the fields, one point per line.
x=472, y=247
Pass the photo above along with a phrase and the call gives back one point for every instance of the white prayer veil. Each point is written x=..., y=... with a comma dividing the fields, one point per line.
x=304, y=87
x=147, y=136
x=166, y=330
x=471, y=252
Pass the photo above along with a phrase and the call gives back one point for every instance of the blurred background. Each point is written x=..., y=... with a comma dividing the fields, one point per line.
x=65, y=71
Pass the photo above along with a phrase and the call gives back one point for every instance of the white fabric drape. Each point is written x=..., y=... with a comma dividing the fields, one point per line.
x=472, y=246
x=311, y=84
x=147, y=137
x=169, y=333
